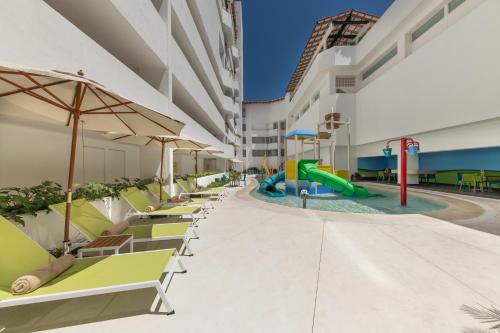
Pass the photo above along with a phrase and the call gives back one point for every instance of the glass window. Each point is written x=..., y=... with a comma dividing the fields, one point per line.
x=259, y=139
x=272, y=152
x=283, y=125
x=315, y=97
x=244, y=140
x=272, y=139
x=244, y=127
x=427, y=25
x=244, y=153
x=453, y=4
x=244, y=112
x=282, y=152
x=275, y=125
x=258, y=152
x=381, y=62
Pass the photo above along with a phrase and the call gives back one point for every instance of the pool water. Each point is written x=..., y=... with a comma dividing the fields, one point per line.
x=387, y=203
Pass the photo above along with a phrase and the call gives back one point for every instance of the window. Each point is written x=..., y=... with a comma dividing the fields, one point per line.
x=381, y=62
x=259, y=139
x=272, y=139
x=244, y=112
x=427, y=25
x=258, y=152
x=244, y=127
x=345, y=81
x=453, y=4
x=244, y=153
x=283, y=125
x=282, y=138
x=282, y=152
x=244, y=140
x=304, y=110
x=315, y=97
x=272, y=152
x=275, y=125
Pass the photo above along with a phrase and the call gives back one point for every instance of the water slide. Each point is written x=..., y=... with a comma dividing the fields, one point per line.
x=308, y=170
x=268, y=185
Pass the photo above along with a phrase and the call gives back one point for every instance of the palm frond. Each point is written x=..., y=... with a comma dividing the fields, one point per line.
x=484, y=314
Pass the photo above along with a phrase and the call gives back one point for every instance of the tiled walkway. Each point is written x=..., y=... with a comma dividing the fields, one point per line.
x=264, y=268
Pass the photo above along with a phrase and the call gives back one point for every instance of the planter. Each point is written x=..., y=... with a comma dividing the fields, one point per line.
x=204, y=181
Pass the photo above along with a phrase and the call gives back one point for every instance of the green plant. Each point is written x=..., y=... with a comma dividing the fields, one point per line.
x=94, y=191
x=141, y=183
x=15, y=201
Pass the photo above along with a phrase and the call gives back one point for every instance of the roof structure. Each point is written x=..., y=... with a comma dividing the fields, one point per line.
x=348, y=28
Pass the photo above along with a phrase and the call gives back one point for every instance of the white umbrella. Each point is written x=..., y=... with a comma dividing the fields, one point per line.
x=175, y=142
x=69, y=99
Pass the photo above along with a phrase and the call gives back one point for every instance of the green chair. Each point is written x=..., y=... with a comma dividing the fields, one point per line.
x=380, y=175
x=138, y=200
x=216, y=193
x=20, y=255
x=469, y=180
x=154, y=189
x=91, y=223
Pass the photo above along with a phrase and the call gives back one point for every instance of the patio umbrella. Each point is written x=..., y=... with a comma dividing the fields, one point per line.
x=210, y=150
x=69, y=99
x=175, y=142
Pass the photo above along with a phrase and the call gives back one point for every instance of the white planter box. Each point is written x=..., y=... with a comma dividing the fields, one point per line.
x=204, y=181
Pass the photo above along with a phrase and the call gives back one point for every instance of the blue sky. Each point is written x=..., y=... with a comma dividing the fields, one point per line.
x=275, y=33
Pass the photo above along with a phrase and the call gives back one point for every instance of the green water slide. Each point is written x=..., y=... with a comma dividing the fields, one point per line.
x=309, y=171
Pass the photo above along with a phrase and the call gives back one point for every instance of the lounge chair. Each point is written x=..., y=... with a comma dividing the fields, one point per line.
x=217, y=193
x=205, y=203
x=91, y=223
x=21, y=255
x=139, y=202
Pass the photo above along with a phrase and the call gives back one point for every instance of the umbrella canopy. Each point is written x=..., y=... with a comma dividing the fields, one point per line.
x=69, y=99
x=164, y=142
x=176, y=142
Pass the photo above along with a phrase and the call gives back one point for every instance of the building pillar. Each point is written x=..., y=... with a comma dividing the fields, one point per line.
x=170, y=170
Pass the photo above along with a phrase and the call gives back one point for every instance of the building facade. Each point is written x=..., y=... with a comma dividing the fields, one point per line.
x=426, y=69
x=181, y=57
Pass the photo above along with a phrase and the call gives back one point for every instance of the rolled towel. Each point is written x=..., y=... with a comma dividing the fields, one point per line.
x=116, y=229
x=34, y=280
x=152, y=208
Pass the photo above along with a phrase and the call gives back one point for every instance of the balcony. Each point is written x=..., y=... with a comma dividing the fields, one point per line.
x=227, y=24
x=228, y=107
x=236, y=55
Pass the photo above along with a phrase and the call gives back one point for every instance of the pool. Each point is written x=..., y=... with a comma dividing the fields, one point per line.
x=388, y=203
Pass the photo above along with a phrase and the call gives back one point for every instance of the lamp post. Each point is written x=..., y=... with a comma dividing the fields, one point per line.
x=410, y=145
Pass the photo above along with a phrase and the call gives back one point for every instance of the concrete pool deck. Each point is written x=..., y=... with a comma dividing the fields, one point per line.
x=260, y=267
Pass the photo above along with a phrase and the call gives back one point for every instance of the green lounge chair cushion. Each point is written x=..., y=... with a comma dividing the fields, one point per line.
x=140, y=201
x=19, y=254
x=154, y=188
x=90, y=221
x=25, y=255
x=186, y=187
x=176, y=210
x=102, y=272
x=158, y=230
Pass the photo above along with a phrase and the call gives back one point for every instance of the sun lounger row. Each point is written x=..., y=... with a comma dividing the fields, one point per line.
x=25, y=259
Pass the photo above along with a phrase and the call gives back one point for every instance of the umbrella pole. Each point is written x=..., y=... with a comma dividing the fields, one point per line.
x=161, y=170
x=196, y=169
x=74, y=139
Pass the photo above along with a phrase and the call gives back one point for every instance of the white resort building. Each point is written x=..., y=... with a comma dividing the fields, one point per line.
x=181, y=58
x=423, y=69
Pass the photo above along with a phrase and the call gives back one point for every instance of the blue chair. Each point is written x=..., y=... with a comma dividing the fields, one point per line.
x=459, y=180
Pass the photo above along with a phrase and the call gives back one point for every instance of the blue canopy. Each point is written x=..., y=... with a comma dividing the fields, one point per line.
x=301, y=135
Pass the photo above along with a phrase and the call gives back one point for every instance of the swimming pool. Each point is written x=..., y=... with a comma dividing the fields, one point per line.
x=388, y=203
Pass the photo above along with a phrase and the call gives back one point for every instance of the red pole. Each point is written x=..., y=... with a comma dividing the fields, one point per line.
x=403, y=171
